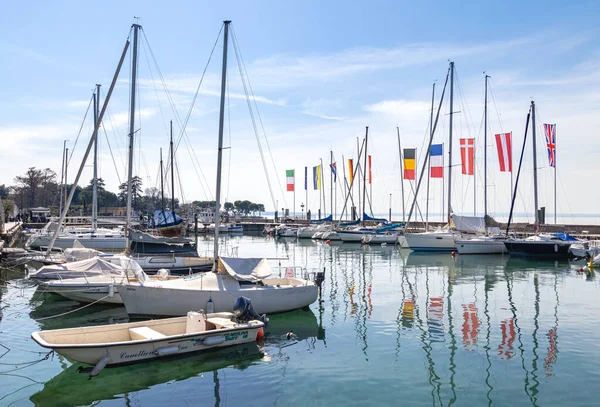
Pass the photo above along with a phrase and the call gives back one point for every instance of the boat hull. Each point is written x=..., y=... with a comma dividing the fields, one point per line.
x=132, y=351
x=162, y=301
x=545, y=250
x=431, y=242
x=480, y=246
x=116, y=243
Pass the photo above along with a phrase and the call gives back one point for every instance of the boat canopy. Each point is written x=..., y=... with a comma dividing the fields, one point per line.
x=93, y=266
x=326, y=219
x=244, y=269
x=475, y=224
x=162, y=218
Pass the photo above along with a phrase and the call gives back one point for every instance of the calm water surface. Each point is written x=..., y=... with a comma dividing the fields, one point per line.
x=391, y=328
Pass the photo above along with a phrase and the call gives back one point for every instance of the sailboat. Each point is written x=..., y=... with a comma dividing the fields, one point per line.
x=167, y=223
x=230, y=277
x=483, y=244
x=546, y=245
x=94, y=237
x=440, y=239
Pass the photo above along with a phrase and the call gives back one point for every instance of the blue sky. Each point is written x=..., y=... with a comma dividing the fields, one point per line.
x=320, y=73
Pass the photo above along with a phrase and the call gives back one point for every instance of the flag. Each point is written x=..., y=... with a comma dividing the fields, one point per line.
x=317, y=177
x=550, y=132
x=350, y=170
x=467, y=155
x=436, y=161
x=291, y=180
x=305, y=178
x=504, y=146
x=334, y=171
x=370, y=175
x=409, y=163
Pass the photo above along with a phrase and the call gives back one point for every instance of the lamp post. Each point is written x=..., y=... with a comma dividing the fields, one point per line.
x=302, y=206
x=390, y=208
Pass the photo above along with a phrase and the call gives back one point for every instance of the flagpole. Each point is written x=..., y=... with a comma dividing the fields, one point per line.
x=294, y=203
x=357, y=174
x=511, y=170
x=331, y=181
x=401, y=174
x=554, y=143
x=365, y=175
x=322, y=185
x=346, y=190
x=306, y=189
x=474, y=183
x=429, y=160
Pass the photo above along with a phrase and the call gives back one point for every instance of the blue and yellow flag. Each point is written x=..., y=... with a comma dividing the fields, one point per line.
x=317, y=177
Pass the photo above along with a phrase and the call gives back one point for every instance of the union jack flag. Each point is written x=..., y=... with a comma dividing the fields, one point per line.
x=550, y=132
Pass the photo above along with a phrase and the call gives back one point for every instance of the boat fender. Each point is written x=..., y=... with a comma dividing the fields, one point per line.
x=210, y=306
x=99, y=366
x=111, y=291
x=260, y=334
x=213, y=340
x=167, y=350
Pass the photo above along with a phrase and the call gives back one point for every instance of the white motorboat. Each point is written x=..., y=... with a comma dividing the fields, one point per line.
x=307, y=232
x=235, y=277
x=114, y=344
x=95, y=266
x=482, y=245
x=288, y=232
x=354, y=235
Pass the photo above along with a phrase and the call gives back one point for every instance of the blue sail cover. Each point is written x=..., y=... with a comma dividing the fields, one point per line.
x=565, y=237
x=356, y=222
x=367, y=217
x=327, y=219
x=161, y=219
x=389, y=227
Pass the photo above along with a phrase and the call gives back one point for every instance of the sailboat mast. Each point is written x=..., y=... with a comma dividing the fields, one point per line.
x=365, y=169
x=220, y=148
x=172, y=174
x=401, y=174
x=95, y=180
x=331, y=182
x=450, y=141
x=162, y=187
x=554, y=173
x=535, y=185
x=136, y=28
x=62, y=177
x=485, y=117
x=429, y=159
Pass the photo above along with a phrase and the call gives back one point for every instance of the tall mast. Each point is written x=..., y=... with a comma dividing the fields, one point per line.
x=66, y=168
x=450, y=141
x=401, y=173
x=220, y=148
x=535, y=185
x=554, y=173
x=162, y=187
x=172, y=174
x=429, y=158
x=365, y=169
x=136, y=28
x=95, y=180
x=62, y=177
x=357, y=176
x=485, y=212
x=330, y=182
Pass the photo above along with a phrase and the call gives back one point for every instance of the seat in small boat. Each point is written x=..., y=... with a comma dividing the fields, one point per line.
x=141, y=333
x=220, y=323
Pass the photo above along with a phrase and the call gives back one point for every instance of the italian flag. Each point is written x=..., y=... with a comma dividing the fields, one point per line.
x=289, y=175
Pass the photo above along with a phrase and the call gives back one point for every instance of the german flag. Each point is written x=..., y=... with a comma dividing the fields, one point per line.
x=409, y=163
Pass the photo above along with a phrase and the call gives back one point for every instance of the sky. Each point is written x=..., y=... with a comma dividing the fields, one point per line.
x=319, y=73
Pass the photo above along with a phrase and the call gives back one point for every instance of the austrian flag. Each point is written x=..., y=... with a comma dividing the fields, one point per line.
x=503, y=143
x=291, y=180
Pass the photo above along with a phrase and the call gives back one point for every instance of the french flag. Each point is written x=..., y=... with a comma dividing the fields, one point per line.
x=436, y=161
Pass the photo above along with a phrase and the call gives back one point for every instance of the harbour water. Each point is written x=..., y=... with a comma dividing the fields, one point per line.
x=391, y=328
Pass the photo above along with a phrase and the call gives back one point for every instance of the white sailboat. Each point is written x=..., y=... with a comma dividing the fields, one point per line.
x=229, y=279
x=486, y=243
x=441, y=239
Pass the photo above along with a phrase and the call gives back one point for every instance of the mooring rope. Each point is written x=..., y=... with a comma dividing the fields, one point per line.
x=77, y=309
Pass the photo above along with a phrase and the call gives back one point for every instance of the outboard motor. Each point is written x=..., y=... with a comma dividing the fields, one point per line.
x=320, y=278
x=244, y=312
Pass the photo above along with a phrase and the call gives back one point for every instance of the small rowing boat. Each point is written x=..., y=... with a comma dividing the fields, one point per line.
x=116, y=344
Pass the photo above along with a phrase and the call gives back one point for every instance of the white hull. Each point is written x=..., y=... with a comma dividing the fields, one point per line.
x=379, y=239
x=306, y=233
x=432, y=241
x=267, y=299
x=333, y=236
x=481, y=246
x=351, y=237
x=176, y=264
x=86, y=293
x=121, y=343
x=65, y=242
x=401, y=241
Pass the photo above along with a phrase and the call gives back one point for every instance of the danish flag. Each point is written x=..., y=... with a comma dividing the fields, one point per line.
x=467, y=154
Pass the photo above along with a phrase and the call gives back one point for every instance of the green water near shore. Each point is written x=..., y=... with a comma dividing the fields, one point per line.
x=391, y=328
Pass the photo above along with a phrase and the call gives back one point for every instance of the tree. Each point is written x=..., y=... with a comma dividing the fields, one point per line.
x=38, y=185
x=136, y=187
x=3, y=191
x=229, y=206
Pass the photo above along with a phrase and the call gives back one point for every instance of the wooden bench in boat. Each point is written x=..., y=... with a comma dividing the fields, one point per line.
x=142, y=333
x=220, y=323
